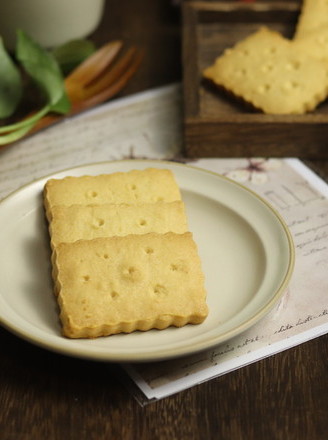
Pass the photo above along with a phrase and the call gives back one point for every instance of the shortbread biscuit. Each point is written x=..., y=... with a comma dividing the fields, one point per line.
x=314, y=43
x=122, y=284
x=75, y=222
x=269, y=72
x=314, y=14
x=136, y=186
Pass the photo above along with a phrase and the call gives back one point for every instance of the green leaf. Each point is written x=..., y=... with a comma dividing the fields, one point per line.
x=15, y=135
x=62, y=106
x=26, y=122
x=72, y=53
x=43, y=68
x=10, y=84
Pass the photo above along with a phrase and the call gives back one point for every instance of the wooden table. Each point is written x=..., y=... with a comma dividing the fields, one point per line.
x=48, y=396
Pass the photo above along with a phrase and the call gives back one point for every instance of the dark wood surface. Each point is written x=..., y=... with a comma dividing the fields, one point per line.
x=48, y=396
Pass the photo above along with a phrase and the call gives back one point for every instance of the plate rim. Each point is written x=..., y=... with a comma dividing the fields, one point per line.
x=161, y=354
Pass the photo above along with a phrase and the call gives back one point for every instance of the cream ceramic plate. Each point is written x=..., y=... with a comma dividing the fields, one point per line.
x=245, y=247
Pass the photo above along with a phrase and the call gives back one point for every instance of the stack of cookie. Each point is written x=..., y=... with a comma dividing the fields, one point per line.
x=275, y=74
x=123, y=259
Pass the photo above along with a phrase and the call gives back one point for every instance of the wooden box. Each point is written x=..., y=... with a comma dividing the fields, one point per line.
x=216, y=125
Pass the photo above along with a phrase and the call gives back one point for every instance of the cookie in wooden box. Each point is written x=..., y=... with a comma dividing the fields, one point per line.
x=314, y=43
x=314, y=14
x=269, y=72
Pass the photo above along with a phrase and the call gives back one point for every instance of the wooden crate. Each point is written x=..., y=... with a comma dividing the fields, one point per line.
x=216, y=125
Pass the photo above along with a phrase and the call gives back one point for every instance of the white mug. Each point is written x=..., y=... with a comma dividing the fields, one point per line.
x=49, y=22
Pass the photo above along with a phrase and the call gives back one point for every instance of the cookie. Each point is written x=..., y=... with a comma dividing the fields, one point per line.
x=314, y=14
x=314, y=43
x=131, y=187
x=75, y=222
x=123, y=284
x=267, y=71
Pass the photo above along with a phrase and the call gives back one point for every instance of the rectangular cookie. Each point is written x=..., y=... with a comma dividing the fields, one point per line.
x=122, y=284
x=75, y=222
x=271, y=73
x=131, y=187
x=314, y=42
x=314, y=14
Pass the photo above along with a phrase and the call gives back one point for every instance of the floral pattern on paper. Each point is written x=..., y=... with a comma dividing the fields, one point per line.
x=256, y=171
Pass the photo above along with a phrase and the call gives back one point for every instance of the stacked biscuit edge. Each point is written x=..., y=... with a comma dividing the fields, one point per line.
x=123, y=258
